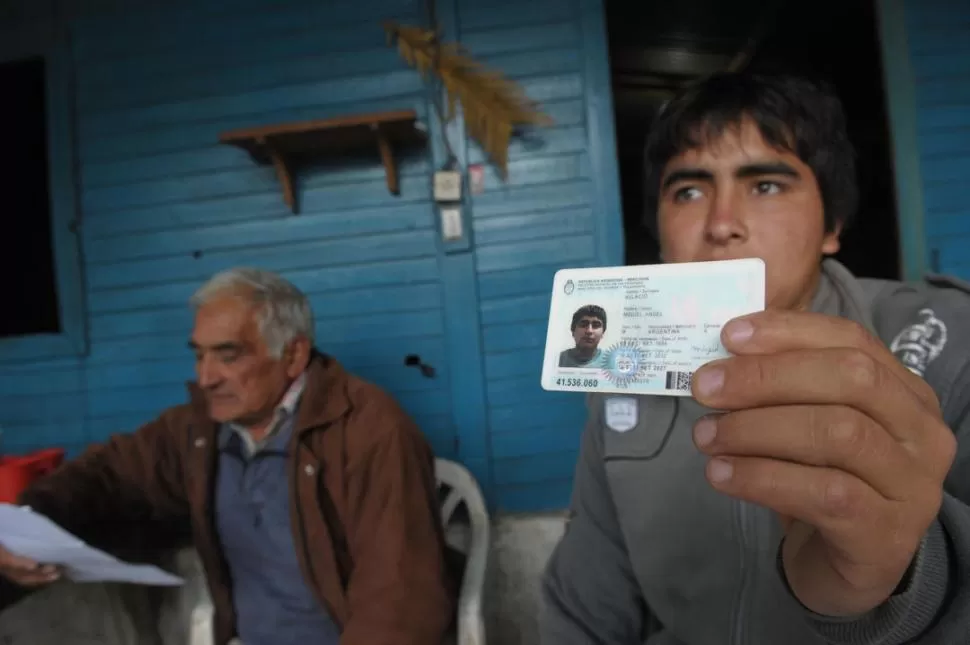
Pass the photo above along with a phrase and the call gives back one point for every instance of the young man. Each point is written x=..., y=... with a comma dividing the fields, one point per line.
x=822, y=503
x=587, y=327
x=309, y=493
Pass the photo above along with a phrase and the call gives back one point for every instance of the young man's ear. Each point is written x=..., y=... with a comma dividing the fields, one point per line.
x=832, y=241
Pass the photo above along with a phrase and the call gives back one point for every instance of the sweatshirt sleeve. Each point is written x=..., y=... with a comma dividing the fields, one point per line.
x=910, y=615
x=932, y=605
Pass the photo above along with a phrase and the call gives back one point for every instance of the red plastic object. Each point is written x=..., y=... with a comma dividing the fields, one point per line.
x=17, y=473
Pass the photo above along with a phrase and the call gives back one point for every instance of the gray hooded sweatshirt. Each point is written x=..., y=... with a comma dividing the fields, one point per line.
x=653, y=554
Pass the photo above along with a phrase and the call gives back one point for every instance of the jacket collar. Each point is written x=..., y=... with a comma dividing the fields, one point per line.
x=325, y=397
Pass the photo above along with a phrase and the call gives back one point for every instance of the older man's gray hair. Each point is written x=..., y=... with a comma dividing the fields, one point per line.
x=283, y=312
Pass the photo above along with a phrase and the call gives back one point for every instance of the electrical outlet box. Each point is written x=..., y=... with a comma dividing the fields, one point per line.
x=447, y=186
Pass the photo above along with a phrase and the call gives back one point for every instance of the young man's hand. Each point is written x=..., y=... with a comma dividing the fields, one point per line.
x=823, y=425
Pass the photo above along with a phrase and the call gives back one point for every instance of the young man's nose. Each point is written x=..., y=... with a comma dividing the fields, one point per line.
x=725, y=221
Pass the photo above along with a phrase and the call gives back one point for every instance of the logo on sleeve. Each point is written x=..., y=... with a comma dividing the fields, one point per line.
x=621, y=413
x=919, y=344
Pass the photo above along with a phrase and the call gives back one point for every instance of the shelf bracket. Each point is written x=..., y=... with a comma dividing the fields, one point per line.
x=387, y=158
x=284, y=173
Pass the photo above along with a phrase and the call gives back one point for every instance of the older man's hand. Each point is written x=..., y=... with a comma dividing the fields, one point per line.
x=26, y=572
x=823, y=425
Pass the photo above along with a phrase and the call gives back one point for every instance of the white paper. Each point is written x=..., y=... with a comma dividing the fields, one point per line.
x=31, y=535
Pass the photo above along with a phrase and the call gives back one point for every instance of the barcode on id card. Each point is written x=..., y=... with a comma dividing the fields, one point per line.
x=679, y=381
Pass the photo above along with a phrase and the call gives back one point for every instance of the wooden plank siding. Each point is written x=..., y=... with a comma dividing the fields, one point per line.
x=547, y=216
x=940, y=53
x=164, y=205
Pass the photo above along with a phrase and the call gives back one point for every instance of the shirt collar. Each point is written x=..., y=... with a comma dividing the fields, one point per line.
x=285, y=409
x=292, y=397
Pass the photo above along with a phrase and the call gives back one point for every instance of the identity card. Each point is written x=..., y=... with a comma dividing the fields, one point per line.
x=644, y=329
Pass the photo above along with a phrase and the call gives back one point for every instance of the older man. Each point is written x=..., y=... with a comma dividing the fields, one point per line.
x=309, y=493
x=805, y=494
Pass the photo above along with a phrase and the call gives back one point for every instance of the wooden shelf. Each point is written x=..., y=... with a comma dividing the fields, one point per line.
x=288, y=144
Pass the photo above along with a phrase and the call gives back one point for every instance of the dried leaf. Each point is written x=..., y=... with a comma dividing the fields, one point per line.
x=492, y=104
x=452, y=106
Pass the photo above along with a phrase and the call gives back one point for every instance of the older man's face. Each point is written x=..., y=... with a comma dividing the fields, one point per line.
x=242, y=382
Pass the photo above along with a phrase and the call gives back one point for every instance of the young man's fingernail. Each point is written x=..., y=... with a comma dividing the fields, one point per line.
x=704, y=431
x=739, y=331
x=709, y=380
x=720, y=471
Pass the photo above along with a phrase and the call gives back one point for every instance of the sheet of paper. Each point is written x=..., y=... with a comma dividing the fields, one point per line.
x=31, y=535
x=662, y=322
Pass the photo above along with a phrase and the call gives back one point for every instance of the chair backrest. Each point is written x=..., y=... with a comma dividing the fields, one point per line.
x=459, y=489
x=186, y=614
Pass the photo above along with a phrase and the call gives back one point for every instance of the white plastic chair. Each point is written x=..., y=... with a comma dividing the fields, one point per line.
x=187, y=614
x=471, y=539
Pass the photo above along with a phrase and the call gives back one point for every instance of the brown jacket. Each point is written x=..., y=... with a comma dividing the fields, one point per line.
x=363, y=505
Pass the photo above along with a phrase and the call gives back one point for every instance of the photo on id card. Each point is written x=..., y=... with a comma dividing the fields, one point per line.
x=644, y=329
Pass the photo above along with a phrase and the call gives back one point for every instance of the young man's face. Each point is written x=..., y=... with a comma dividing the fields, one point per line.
x=588, y=332
x=738, y=198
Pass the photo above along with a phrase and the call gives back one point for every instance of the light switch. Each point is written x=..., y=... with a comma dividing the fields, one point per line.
x=451, y=228
x=447, y=186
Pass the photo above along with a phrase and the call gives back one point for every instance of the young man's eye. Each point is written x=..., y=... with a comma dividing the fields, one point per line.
x=686, y=194
x=768, y=188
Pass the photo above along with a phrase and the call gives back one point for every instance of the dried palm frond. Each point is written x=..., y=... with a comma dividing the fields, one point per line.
x=492, y=104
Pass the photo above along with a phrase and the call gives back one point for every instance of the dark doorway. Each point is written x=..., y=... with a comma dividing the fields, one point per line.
x=26, y=251
x=657, y=47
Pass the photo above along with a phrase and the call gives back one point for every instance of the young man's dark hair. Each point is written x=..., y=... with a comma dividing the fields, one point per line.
x=590, y=311
x=792, y=114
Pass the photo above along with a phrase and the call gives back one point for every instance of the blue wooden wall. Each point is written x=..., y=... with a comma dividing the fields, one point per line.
x=937, y=33
x=551, y=214
x=163, y=206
